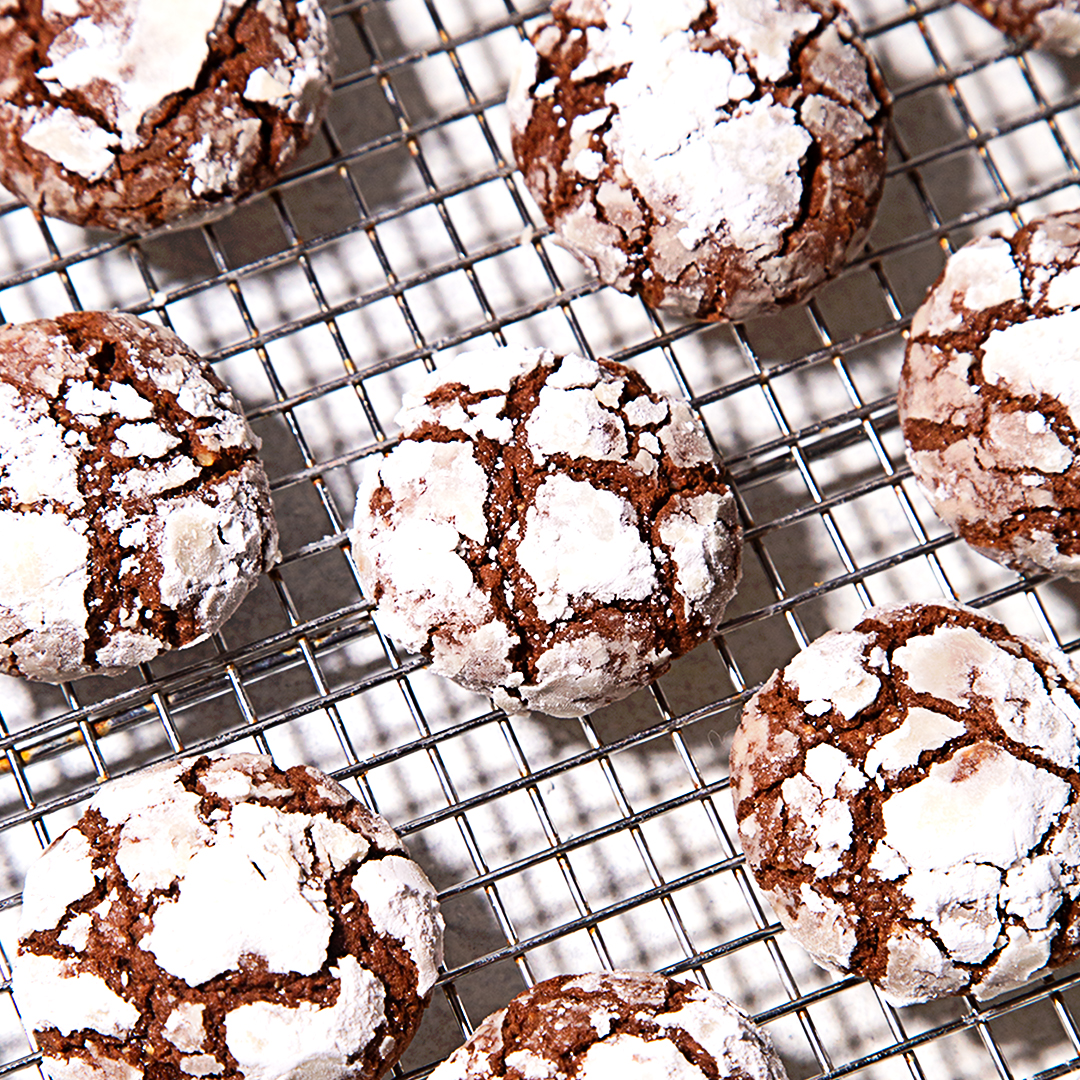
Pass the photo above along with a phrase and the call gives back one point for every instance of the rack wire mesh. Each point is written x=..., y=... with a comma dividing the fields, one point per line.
x=403, y=236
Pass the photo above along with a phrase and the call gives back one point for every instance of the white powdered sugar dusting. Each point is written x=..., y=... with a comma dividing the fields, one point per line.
x=945, y=663
x=74, y=141
x=270, y=1040
x=577, y=1029
x=945, y=801
x=253, y=860
x=580, y=539
x=922, y=729
x=705, y=157
x=1063, y=290
x=137, y=49
x=184, y=1027
x=819, y=795
x=476, y=373
x=187, y=851
x=35, y=455
x=440, y=482
x=980, y=275
x=486, y=544
x=835, y=675
x=393, y=889
x=574, y=422
x=625, y=1055
x=152, y=112
x=982, y=805
x=989, y=395
x=69, y=877
x=43, y=570
x=697, y=546
x=1007, y=357
x=741, y=169
x=52, y=992
x=95, y=488
x=767, y=41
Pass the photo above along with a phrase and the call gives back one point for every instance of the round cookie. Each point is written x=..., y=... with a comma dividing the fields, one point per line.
x=549, y=530
x=908, y=799
x=134, y=512
x=989, y=395
x=718, y=159
x=130, y=114
x=634, y=1025
x=221, y=917
x=1051, y=24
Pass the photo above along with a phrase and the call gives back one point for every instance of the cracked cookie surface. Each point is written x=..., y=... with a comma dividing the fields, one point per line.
x=134, y=512
x=549, y=530
x=722, y=160
x=131, y=114
x=908, y=800
x=989, y=395
x=224, y=918
x=634, y=1025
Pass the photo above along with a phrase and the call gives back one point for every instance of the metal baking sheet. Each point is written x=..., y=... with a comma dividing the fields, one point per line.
x=402, y=237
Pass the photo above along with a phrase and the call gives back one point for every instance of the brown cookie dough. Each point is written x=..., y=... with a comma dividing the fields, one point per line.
x=130, y=114
x=223, y=918
x=721, y=160
x=626, y=1024
x=990, y=395
x=549, y=530
x=1051, y=24
x=908, y=799
x=134, y=512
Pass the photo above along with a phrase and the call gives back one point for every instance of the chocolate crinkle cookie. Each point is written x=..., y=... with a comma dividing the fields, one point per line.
x=1051, y=24
x=990, y=395
x=224, y=918
x=134, y=512
x=908, y=799
x=549, y=530
x=130, y=114
x=719, y=159
x=626, y=1024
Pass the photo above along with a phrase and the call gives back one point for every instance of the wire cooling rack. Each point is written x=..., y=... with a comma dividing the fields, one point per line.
x=403, y=236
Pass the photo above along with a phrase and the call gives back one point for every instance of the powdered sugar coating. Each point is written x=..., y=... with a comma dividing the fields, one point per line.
x=549, y=530
x=134, y=512
x=619, y=1025
x=142, y=113
x=928, y=840
x=989, y=395
x=668, y=144
x=347, y=927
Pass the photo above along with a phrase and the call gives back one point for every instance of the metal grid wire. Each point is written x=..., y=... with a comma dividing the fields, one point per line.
x=404, y=235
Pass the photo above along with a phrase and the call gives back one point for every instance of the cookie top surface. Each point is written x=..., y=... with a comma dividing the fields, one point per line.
x=1051, y=24
x=549, y=530
x=907, y=796
x=989, y=395
x=221, y=917
x=130, y=114
x=717, y=159
x=134, y=512
x=629, y=1025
